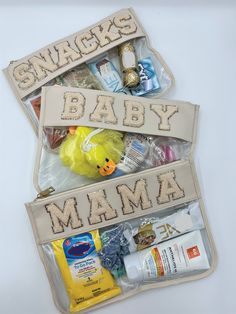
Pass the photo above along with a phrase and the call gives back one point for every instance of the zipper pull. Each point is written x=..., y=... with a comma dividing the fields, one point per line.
x=45, y=193
x=12, y=61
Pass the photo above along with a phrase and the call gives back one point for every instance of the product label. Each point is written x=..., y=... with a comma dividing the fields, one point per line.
x=167, y=260
x=158, y=261
x=193, y=252
x=182, y=254
x=86, y=281
x=128, y=59
x=107, y=74
x=148, y=78
x=136, y=150
x=82, y=258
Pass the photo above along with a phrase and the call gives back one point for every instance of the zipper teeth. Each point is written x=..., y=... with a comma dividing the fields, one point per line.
x=45, y=193
x=147, y=171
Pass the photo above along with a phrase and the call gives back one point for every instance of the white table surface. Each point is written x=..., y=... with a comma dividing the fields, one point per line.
x=198, y=41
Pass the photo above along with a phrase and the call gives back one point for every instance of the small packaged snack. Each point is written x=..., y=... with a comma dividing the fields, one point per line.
x=90, y=59
x=148, y=78
x=104, y=135
x=107, y=74
x=79, y=76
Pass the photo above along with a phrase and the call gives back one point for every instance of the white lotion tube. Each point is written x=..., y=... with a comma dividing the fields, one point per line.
x=179, y=255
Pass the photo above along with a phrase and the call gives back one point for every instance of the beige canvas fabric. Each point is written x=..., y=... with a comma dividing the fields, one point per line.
x=28, y=74
x=113, y=201
x=67, y=106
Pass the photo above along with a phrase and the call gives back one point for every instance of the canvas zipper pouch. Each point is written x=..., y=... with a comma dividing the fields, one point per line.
x=127, y=214
x=107, y=241
x=88, y=136
x=114, y=55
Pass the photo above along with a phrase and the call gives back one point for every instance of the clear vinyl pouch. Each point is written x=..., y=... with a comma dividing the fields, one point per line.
x=108, y=241
x=89, y=151
x=136, y=254
x=113, y=55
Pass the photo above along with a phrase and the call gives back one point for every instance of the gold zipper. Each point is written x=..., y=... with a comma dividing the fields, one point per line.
x=45, y=193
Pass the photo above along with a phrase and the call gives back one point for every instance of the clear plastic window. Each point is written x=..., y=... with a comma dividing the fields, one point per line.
x=75, y=156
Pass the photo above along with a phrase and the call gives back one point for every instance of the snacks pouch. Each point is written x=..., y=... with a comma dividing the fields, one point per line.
x=113, y=54
x=88, y=136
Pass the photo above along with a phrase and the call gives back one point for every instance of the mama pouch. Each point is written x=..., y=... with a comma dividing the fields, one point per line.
x=62, y=221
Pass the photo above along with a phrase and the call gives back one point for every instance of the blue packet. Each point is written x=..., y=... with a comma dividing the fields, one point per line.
x=79, y=247
x=107, y=74
x=148, y=78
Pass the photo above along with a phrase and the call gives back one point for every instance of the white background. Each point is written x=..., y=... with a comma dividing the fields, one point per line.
x=198, y=41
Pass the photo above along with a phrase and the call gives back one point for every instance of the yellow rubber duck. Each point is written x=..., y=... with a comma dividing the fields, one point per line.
x=92, y=152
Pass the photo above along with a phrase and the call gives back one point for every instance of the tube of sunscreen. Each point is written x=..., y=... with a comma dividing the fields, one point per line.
x=162, y=229
x=171, y=258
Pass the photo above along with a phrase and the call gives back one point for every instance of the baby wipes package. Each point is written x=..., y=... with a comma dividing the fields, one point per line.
x=86, y=281
x=112, y=55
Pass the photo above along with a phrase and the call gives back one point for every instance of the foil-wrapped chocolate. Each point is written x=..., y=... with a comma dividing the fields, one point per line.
x=129, y=65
